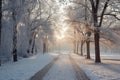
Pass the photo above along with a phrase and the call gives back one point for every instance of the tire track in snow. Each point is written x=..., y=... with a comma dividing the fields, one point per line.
x=61, y=70
x=80, y=74
x=40, y=74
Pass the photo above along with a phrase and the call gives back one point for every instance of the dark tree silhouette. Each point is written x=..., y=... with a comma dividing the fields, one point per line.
x=95, y=9
x=14, y=37
x=0, y=19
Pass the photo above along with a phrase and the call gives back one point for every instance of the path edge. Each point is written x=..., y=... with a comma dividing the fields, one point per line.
x=40, y=74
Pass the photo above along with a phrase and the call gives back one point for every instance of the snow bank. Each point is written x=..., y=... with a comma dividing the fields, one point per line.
x=107, y=70
x=25, y=68
x=109, y=56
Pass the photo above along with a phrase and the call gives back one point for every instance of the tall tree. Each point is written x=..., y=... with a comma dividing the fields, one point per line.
x=16, y=19
x=14, y=37
x=0, y=19
x=98, y=12
x=95, y=9
x=88, y=34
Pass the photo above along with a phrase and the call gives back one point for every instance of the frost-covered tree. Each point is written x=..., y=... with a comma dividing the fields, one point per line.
x=76, y=16
x=0, y=19
x=25, y=23
x=98, y=11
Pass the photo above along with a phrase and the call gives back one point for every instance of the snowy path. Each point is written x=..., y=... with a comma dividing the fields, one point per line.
x=80, y=74
x=26, y=67
x=61, y=70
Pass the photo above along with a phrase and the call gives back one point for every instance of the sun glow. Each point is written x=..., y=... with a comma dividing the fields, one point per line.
x=60, y=36
x=62, y=33
x=64, y=29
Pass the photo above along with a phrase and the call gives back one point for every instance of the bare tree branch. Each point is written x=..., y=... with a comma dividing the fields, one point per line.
x=104, y=9
x=114, y=15
x=84, y=5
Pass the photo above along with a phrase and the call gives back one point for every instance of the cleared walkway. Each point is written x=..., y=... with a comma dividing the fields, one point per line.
x=61, y=68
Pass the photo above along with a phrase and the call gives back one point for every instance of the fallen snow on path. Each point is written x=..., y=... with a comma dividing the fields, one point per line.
x=25, y=68
x=107, y=70
x=61, y=70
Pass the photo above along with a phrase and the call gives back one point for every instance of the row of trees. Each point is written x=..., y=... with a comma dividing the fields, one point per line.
x=24, y=25
x=92, y=21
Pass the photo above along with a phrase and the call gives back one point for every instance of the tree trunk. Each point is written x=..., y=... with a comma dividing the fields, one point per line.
x=15, y=56
x=0, y=23
x=97, y=47
x=81, y=49
x=96, y=37
x=14, y=37
x=35, y=49
x=15, y=44
x=30, y=42
x=75, y=42
x=33, y=46
x=77, y=46
x=44, y=47
x=82, y=43
x=0, y=19
x=74, y=46
x=88, y=49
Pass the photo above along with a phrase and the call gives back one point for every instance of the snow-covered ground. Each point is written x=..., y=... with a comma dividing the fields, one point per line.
x=25, y=68
x=61, y=70
x=114, y=56
x=107, y=70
